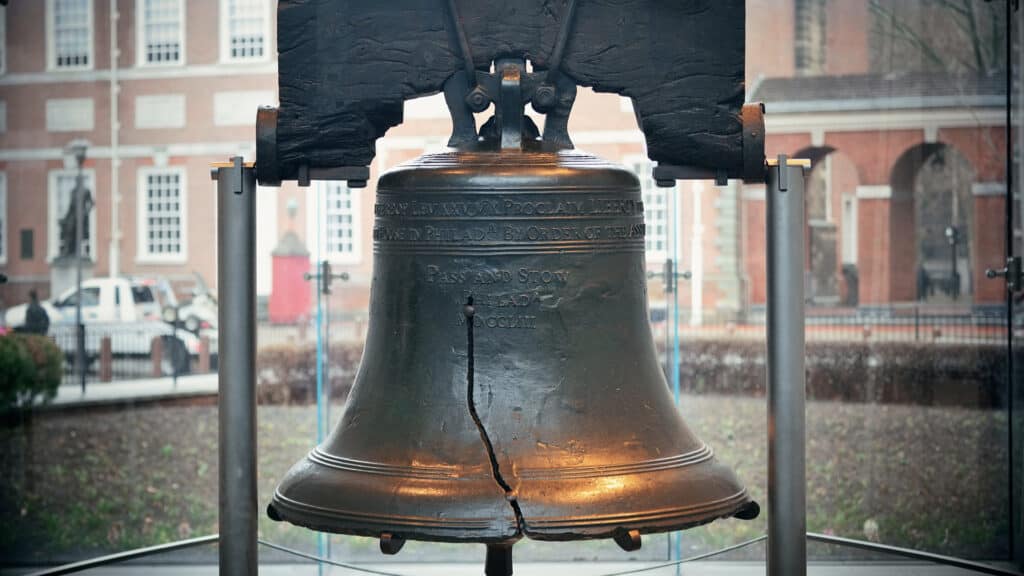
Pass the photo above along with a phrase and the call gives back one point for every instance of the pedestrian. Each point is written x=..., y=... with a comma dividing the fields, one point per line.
x=37, y=321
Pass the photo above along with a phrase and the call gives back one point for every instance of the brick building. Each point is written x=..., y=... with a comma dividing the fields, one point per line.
x=161, y=88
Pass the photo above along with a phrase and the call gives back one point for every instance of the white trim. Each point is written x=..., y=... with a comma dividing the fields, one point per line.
x=885, y=103
x=53, y=218
x=51, y=49
x=160, y=111
x=144, y=73
x=4, y=220
x=885, y=120
x=70, y=115
x=756, y=193
x=988, y=189
x=848, y=229
x=140, y=38
x=244, y=148
x=142, y=254
x=319, y=191
x=931, y=133
x=818, y=137
x=225, y=37
x=880, y=192
x=238, y=107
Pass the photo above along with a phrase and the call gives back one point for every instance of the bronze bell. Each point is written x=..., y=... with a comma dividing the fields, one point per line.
x=509, y=385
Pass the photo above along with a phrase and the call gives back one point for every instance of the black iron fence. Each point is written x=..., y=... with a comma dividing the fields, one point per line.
x=910, y=323
x=134, y=355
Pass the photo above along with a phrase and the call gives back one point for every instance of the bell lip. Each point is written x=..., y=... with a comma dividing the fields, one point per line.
x=284, y=509
x=746, y=509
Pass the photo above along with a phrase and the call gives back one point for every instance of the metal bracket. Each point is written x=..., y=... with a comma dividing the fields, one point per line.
x=669, y=276
x=326, y=277
x=1013, y=272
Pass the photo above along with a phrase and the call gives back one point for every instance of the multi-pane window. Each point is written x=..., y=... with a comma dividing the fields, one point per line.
x=656, y=211
x=70, y=29
x=339, y=221
x=61, y=212
x=333, y=217
x=162, y=214
x=810, y=42
x=245, y=29
x=161, y=29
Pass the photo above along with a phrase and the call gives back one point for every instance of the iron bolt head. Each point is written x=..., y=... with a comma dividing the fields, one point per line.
x=544, y=98
x=478, y=100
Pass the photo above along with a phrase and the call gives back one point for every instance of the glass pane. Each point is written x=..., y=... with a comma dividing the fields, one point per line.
x=901, y=108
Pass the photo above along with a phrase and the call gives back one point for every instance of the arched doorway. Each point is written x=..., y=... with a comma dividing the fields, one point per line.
x=831, y=212
x=931, y=195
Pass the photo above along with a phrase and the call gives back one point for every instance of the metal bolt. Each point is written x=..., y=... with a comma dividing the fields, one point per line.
x=544, y=98
x=478, y=100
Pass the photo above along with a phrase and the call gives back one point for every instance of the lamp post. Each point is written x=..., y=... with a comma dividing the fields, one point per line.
x=75, y=152
x=953, y=237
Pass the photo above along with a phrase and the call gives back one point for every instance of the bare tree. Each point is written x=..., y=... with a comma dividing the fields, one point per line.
x=953, y=36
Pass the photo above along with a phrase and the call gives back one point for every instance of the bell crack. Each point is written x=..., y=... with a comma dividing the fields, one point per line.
x=510, y=496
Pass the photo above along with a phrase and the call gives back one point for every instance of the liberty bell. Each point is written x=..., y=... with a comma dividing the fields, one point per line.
x=510, y=385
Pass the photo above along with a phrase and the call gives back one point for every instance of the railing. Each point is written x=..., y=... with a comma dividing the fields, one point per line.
x=112, y=356
x=897, y=323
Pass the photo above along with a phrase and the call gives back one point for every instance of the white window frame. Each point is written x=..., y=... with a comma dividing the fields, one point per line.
x=53, y=215
x=225, y=36
x=317, y=226
x=142, y=254
x=643, y=168
x=848, y=229
x=5, y=228
x=51, y=40
x=140, y=37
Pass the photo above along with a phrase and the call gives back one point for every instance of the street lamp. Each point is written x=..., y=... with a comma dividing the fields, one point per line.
x=74, y=156
x=953, y=237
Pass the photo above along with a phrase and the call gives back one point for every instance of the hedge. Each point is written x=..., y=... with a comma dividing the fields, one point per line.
x=902, y=373
x=31, y=367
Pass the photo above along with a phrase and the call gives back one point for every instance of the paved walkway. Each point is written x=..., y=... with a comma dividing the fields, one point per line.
x=142, y=390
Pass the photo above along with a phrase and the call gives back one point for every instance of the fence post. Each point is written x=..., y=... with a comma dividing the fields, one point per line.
x=106, y=359
x=157, y=355
x=204, y=355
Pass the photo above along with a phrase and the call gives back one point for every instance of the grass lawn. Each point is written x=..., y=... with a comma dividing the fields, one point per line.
x=80, y=484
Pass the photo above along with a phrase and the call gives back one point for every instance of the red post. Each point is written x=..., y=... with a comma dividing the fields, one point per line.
x=204, y=354
x=156, y=354
x=106, y=360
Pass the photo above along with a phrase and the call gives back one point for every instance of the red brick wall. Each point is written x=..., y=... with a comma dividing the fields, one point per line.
x=754, y=262
x=988, y=249
x=902, y=250
x=874, y=152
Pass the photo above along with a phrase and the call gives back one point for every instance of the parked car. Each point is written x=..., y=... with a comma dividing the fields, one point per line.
x=128, y=311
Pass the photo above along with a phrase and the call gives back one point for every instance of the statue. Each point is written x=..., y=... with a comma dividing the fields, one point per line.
x=68, y=242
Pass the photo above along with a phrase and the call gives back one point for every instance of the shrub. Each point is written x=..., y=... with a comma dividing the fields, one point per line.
x=922, y=373
x=31, y=366
x=286, y=373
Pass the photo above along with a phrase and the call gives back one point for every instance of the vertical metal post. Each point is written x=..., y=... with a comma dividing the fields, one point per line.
x=79, y=254
x=236, y=281
x=787, y=518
